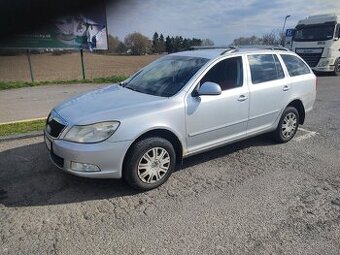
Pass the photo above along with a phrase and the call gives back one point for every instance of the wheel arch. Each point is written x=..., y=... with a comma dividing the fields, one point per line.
x=298, y=105
x=163, y=133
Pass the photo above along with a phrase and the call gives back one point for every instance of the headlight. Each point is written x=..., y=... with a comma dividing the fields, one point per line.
x=92, y=133
x=326, y=62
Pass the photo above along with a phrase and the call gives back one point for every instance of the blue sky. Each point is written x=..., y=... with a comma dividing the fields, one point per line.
x=219, y=20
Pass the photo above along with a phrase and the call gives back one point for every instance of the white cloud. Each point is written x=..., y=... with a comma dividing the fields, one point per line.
x=218, y=20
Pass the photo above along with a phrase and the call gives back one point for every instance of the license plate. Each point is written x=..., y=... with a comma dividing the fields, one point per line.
x=48, y=143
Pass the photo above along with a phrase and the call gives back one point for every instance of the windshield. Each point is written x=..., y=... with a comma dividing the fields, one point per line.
x=166, y=76
x=314, y=33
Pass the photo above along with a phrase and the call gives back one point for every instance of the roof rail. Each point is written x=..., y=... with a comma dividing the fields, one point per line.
x=208, y=47
x=236, y=48
x=227, y=49
x=260, y=46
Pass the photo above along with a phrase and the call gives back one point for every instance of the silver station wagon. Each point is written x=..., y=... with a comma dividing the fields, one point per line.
x=179, y=105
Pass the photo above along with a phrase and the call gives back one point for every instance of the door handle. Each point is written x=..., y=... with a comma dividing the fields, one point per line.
x=285, y=88
x=242, y=98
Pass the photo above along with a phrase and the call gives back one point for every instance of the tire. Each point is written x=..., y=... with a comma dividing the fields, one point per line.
x=288, y=125
x=149, y=163
x=336, y=71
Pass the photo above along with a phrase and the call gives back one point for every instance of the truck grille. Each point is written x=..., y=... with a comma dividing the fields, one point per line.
x=312, y=57
x=55, y=125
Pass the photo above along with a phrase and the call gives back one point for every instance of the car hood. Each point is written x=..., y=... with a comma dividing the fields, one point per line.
x=110, y=103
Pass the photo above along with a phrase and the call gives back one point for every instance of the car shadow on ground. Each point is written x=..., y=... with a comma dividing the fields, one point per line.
x=28, y=178
x=262, y=140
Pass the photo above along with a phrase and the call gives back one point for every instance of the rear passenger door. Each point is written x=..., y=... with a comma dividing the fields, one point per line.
x=269, y=91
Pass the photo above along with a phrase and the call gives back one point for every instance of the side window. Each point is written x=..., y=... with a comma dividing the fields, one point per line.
x=295, y=65
x=228, y=73
x=265, y=67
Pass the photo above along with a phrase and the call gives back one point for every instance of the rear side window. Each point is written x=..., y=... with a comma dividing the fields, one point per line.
x=295, y=65
x=265, y=67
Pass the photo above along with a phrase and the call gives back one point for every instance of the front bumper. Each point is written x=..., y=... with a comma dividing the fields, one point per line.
x=106, y=155
x=324, y=69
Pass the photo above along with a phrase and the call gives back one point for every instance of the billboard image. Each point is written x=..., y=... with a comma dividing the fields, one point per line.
x=86, y=30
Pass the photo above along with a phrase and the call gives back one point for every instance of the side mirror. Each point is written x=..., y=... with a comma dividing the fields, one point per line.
x=209, y=89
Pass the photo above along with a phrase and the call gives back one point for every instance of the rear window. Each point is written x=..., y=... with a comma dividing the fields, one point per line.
x=265, y=67
x=295, y=65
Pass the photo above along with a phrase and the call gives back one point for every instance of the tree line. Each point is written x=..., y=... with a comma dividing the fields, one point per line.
x=138, y=44
x=275, y=37
x=176, y=43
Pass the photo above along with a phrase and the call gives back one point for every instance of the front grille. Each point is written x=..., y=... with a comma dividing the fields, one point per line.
x=55, y=128
x=311, y=59
x=57, y=160
x=55, y=125
x=310, y=55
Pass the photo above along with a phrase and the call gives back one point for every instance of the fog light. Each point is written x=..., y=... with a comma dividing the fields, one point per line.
x=83, y=167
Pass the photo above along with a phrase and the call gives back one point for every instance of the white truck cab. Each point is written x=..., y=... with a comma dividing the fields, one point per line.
x=317, y=41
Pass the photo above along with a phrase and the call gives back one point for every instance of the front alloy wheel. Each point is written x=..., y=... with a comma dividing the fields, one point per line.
x=149, y=163
x=153, y=165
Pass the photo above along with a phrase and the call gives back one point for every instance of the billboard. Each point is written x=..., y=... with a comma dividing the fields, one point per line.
x=87, y=30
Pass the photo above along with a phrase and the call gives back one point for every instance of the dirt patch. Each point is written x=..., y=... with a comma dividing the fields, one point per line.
x=68, y=67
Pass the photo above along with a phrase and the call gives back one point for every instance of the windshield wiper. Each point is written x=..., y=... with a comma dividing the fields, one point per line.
x=133, y=89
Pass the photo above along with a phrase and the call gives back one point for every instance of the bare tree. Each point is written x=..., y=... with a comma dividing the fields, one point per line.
x=137, y=43
x=275, y=37
x=207, y=42
x=269, y=38
x=114, y=43
x=247, y=40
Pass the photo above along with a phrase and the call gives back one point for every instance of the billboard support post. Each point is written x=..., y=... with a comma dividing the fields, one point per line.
x=30, y=64
x=82, y=63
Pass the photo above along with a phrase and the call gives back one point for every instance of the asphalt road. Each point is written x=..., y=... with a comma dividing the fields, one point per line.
x=253, y=197
x=37, y=102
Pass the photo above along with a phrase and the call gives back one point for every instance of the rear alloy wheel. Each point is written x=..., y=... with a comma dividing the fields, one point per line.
x=149, y=163
x=337, y=67
x=288, y=125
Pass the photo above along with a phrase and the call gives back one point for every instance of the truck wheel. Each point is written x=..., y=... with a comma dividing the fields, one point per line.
x=337, y=67
x=149, y=163
x=287, y=126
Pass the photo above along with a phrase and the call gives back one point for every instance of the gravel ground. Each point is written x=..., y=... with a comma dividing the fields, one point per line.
x=252, y=197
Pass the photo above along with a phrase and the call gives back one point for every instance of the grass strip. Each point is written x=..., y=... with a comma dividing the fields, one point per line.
x=22, y=127
x=22, y=84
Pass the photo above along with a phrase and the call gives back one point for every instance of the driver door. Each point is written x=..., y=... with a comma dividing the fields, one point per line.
x=218, y=119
